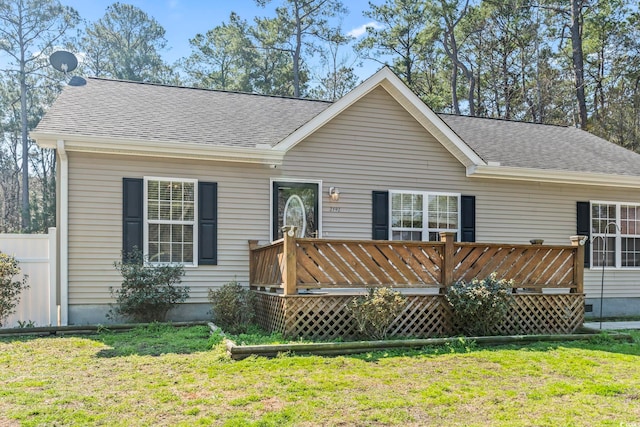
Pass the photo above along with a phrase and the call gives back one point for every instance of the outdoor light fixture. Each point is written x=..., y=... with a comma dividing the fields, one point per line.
x=334, y=194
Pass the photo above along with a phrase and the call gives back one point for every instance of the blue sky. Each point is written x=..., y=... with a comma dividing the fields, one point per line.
x=183, y=19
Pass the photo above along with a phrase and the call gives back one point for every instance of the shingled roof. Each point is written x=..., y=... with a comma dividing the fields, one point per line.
x=538, y=146
x=143, y=111
x=121, y=110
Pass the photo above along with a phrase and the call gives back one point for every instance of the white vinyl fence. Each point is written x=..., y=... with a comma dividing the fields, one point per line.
x=36, y=254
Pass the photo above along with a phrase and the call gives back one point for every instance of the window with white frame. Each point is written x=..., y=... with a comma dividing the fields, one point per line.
x=419, y=215
x=615, y=231
x=170, y=212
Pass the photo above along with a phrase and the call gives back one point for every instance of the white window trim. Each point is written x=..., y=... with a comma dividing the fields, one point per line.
x=617, y=234
x=425, y=206
x=145, y=230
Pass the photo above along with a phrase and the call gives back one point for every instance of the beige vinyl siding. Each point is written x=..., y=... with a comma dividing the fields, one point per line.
x=373, y=145
x=95, y=219
x=377, y=145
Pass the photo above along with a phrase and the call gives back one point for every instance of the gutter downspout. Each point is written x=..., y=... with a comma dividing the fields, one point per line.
x=63, y=233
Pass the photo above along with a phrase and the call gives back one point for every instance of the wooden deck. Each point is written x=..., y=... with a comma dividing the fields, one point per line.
x=548, y=289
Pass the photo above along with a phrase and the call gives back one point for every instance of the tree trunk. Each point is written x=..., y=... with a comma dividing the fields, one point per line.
x=506, y=87
x=409, y=75
x=451, y=49
x=472, y=85
x=26, y=215
x=468, y=75
x=454, y=92
x=450, y=45
x=526, y=98
x=636, y=116
x=296, y=55
x=578, y=59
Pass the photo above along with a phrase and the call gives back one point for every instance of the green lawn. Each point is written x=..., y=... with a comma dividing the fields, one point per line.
x=166, y=376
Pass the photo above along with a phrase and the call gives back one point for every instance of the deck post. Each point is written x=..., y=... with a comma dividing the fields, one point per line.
x=447, y=237
x=252, y=265
x=289, y=273
x=578, y=263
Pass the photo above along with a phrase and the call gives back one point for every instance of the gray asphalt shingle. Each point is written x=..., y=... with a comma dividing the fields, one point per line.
x=142, y=111
x=537, y=146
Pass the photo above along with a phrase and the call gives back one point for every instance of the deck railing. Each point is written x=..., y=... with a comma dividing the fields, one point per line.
x=292, y=264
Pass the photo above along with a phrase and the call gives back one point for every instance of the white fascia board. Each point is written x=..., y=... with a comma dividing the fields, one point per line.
x=553, y=176
x=180, y=150
x=410, y=101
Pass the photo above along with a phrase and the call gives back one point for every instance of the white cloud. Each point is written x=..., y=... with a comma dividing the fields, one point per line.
x=362, y=29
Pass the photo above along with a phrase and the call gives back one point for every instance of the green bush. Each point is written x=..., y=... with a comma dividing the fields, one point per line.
x=10, y=289
x=375, y=312
x=480, y=305
x=148, y=291
x=233, y=307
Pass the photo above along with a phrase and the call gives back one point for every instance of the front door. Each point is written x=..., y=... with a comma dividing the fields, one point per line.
x=295, y=203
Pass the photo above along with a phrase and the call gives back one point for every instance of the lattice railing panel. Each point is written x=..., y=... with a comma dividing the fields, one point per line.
x=529, y=266
x=336, y=263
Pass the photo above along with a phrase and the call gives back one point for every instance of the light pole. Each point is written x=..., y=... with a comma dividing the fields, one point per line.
x=604, y=254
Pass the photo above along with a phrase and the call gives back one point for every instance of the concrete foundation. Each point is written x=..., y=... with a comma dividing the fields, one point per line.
x=92, y=314
x=613, y=307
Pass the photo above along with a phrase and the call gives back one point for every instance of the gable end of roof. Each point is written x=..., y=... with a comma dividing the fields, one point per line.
x=386, y=79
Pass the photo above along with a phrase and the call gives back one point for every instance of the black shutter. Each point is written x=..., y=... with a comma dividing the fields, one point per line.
x=468, y=220
x=132, y=212
x=380, y=218
x=207, y=223
x=583, y=228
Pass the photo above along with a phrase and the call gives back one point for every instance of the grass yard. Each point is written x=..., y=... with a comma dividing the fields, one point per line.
x=166, y=376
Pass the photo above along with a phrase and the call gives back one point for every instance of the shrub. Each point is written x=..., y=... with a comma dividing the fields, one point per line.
x=480, y=305
x=233, y=307
x=10, y=289
x=148, y=291
x=375, y=312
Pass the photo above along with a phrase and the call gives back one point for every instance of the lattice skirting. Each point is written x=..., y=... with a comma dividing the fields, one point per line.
x=326, y=317
x=543, y=314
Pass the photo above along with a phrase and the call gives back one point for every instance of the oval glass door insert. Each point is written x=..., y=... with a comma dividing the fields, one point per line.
x=294, y=214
